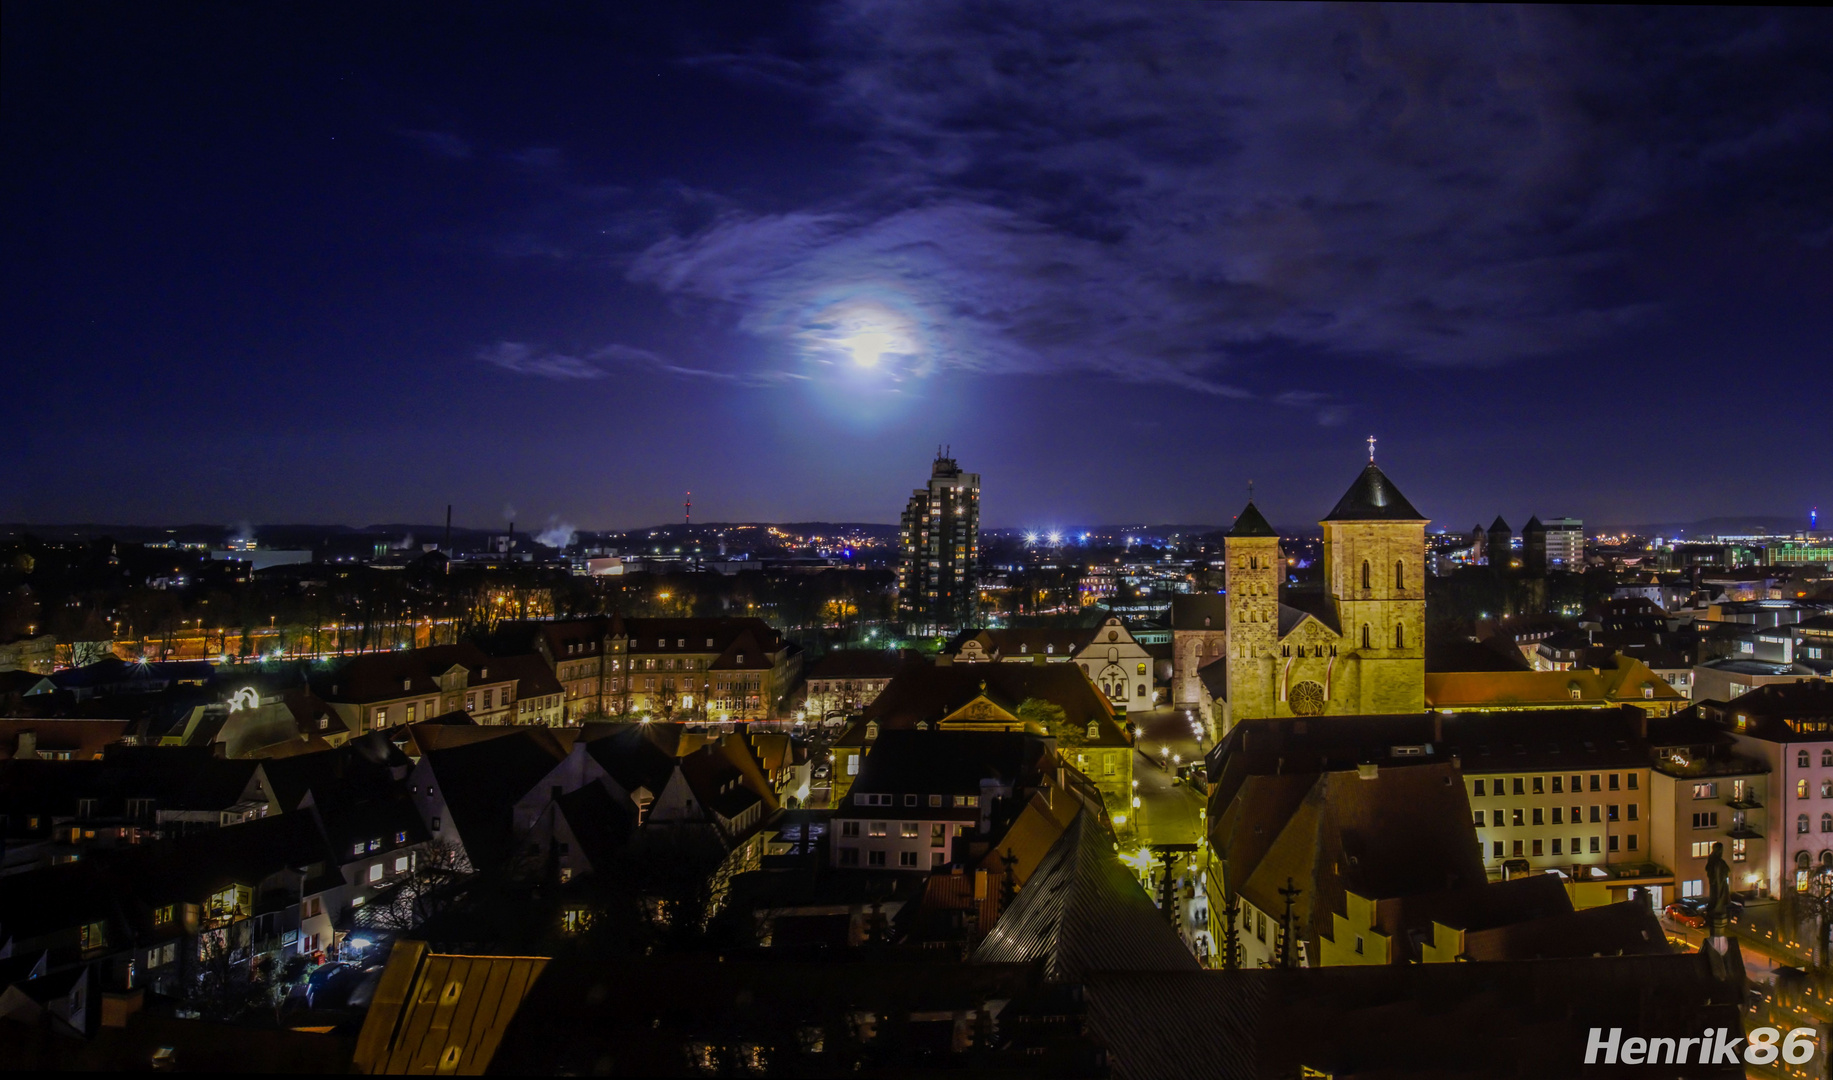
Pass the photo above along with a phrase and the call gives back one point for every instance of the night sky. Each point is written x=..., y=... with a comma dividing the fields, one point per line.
x=296, y=262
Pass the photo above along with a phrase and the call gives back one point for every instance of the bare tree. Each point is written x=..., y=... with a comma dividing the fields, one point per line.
x=428, y=889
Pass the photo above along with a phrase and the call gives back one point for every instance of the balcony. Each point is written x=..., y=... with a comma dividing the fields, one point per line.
x=1746, y=801
x=1743, y=831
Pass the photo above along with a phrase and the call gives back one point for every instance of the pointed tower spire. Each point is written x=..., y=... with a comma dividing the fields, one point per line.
x=1371, y=449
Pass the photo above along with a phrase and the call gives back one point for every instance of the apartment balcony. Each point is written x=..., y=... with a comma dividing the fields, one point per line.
x=1744, y=802
x=1743, y=831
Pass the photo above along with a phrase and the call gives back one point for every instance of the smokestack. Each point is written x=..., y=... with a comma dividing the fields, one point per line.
x=448, y=543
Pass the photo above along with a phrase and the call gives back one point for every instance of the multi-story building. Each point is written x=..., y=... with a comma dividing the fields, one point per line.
x=1564, y=791
x=1789, y=728
x=846, y=681
x=1703, y=791
x=921, y=794
x=1565, y=543
x=1359, y=648
x=372, y=691
x=1109, y=654
x=718, y=669
x=938, y=585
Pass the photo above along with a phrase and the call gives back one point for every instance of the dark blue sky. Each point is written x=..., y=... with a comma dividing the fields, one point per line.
x=291, y=262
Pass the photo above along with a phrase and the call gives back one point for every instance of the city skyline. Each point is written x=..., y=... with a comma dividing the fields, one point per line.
x=275, y=267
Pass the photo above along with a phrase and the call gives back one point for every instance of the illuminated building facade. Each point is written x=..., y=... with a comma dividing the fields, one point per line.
x=938, y=579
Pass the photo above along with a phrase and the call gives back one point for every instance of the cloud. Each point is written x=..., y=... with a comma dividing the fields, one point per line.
x=443, y=143
x=1170, y=195
x=522, y=359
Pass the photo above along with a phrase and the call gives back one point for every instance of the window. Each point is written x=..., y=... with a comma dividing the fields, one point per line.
x=875, y=858
x=967, y=800
x=356, y=848
x=375, y=873
x=1537, y=813
x=1558, y=814
x=1577, y=786
x=162, y=914
x=1400, y=575
x=1613, y=782
x=1612, y=816
x=401, y=865
x=435, y=824
x=1477, y=789
x=1496, y=817
x=1399, y=637
x=1801, y=759
x=1633, y=811
x=374, y=844
x=1517, y=816
x=401, y=838
x=1577, y=845
x=1826, y=759
x=1613, y=841
x=849, y=856
x=1629, y=781
x=1594, y=815
x=1516, y=849
x=1365, y=575
x=1594, y=781
x=909, y=830
x=1495, y=849
x=1536, y=848
x=1705, y=791
x=907, y=859
x=1480, y=819
x=1520, y=789
x=1702, y=849
x=1539, y=786
x=1558, y=788
x=1801, y=824
x=849, y=829
x=935, y=800
x=852, y=765
x=1367, y=641
x=1594, y=844
x=1801, y=788
x=938, y=836
x=877, y=828
x=1632, y=841
x=1556, y=850
x=1826, y=823
x=910, y=800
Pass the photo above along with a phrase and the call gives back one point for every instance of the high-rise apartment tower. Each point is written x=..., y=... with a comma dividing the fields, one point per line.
x=938, y=579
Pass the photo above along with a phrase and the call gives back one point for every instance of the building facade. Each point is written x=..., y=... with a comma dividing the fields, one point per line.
x=938, y=581
x=1360, y=650
x=1565, y=544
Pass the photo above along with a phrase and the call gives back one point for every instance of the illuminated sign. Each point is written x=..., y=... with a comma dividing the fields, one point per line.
x=245, y=698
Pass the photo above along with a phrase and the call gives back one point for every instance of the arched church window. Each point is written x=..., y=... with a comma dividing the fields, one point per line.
x=1365, y=577
x=1400, y=640
x=1400, y=577
x=1367, y=638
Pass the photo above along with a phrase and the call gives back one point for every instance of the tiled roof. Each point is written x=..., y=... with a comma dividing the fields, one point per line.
x=925, y=693
x=1083, y=912
x=428, y=1004
x=481, y=783
x=1629, y=680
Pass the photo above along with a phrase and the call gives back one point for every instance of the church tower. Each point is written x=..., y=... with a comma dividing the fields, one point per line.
x=1374, y=574
x=1252, y=575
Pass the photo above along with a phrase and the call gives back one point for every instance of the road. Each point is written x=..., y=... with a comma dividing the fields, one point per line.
x=1170, y=810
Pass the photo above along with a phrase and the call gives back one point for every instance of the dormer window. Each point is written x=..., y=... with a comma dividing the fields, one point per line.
x=741, y=658
x=1094, y=729
x=1050, y=648
x=681, y=643
x=483, y=673
x=871, y=731
x=709, y=643
x=407, y=684
x=1573, y=690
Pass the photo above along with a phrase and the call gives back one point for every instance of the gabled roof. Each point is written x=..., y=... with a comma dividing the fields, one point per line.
x=1628, y=680
x=1373, y=497
x=638, y=755
x=600, y=824
x=925, y=693
x=482, y=782
x=1083, y=912
x=532, y=675
x=947, y=762
x=1499, y=525
x=1300, y=605
x=1252, y=523
x=386, y=676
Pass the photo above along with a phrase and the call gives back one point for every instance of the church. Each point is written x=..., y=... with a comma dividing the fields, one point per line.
x=1358, y=647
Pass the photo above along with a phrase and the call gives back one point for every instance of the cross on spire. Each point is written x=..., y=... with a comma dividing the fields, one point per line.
x=1371, y=449
x=1250, y=491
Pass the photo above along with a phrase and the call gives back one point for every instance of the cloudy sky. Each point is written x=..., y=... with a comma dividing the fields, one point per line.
x=310, y=263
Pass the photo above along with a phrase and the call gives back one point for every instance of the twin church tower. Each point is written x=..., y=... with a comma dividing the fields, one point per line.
x=1359, y=646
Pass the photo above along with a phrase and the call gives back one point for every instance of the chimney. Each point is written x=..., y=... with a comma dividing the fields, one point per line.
x=27, y=749
x=1438, y=727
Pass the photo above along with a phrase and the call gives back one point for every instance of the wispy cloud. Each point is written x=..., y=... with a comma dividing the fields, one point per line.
x=523, y=359
x=1160, y=194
